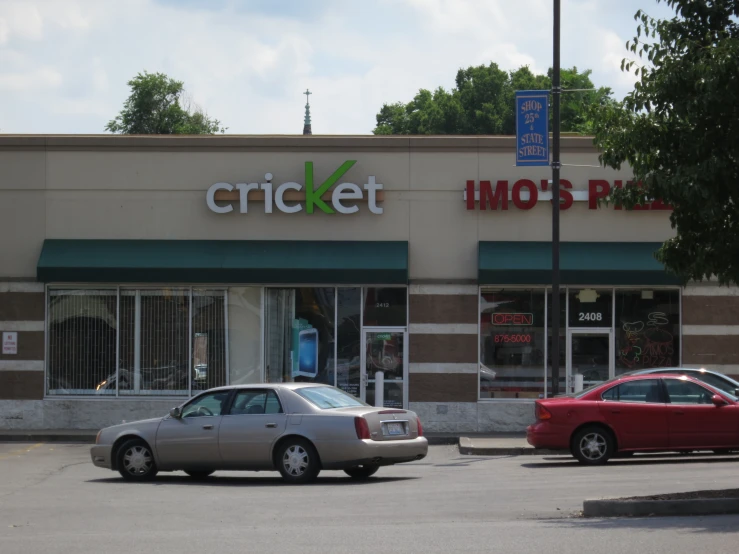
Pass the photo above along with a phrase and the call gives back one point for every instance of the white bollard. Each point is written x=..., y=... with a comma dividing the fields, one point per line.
x=379, y=389
x=578, y=382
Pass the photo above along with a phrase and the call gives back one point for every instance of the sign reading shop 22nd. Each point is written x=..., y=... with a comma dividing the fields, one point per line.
x=342, y=198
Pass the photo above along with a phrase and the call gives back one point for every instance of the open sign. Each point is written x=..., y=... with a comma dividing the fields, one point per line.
x=513, y=319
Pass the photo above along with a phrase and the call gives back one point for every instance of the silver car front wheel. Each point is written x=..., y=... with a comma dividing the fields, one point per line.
x=297, y=461
x=136, y=461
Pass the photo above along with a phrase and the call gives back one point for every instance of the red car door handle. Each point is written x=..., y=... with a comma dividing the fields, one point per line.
x=615, y=411
x=679, y=413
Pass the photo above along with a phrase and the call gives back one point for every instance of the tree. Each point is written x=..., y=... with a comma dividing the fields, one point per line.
x=482, y=103
x=158, y=106
x=678, y=131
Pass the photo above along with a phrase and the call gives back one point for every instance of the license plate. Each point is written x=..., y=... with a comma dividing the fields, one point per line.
x=395, y=429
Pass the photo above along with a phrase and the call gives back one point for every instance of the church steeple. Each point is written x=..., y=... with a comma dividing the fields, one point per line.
x=306, y=124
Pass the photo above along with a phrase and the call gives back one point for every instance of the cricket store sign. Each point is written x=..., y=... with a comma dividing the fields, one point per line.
x=524, y=195
x=292, y=197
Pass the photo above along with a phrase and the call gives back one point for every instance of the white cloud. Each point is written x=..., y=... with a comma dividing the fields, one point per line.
x=38, y=79
x=20, y=19
x=64, y=65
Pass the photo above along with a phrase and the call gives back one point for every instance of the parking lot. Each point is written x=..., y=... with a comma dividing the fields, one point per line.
x=52, y=499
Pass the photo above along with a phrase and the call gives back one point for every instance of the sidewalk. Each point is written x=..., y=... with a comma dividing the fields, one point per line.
x=498, y=444
x=48, y=435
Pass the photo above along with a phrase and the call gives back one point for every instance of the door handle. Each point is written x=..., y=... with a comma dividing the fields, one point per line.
x=207, y=427
x=271, y=425
x=615, y=411
x=679, y=413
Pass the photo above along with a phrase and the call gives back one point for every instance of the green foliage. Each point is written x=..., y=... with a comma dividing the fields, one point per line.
x=678, y=130
x=482, y=103
x=155, y=107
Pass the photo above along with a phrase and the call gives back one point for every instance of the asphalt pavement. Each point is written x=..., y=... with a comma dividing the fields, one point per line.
x=53, y=500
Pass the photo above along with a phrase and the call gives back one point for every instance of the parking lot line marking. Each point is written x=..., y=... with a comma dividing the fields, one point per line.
x=14, y=453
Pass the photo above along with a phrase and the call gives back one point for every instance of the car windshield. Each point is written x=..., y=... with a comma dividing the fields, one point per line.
x=329, y=397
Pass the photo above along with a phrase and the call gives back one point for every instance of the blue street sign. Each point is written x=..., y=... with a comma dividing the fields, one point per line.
x=532, y=127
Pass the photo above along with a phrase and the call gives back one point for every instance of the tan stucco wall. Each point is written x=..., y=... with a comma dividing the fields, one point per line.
x=154, y=187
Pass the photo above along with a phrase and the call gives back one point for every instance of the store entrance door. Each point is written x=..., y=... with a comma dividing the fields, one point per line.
x=589, y=354
x=385, y=357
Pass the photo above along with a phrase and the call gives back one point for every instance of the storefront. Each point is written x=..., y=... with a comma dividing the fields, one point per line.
x=412, y=272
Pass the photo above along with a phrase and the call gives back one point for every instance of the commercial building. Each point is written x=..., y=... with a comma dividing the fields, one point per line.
x=136, y=271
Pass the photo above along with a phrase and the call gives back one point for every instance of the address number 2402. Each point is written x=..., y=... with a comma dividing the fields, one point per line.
x=590, y=316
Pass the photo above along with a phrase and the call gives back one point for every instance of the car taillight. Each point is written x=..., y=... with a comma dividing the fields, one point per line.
x=420, y=427
x=360, y=424
x=542, y=413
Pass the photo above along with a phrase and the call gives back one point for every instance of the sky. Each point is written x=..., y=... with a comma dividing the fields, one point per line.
x=65, y=64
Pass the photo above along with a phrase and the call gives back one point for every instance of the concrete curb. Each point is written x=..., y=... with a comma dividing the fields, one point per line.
x=640, y=508
x=467, y=447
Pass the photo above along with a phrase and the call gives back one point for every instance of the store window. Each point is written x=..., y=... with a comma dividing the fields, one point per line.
x=82, y=329
x=299, y=334
x=386, y=307
x=135, y=342
x=349, y=336
x=591, y=308
x=647, y=329
x=512, y=335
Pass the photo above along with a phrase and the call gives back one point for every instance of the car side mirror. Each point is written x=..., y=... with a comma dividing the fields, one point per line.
x=718, y=400
x=175, y=412
x=736, y=393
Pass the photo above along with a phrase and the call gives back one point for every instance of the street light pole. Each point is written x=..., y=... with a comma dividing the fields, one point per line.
x=556, y=97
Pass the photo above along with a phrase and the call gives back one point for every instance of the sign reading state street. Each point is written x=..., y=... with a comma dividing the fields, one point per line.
x=289, y=197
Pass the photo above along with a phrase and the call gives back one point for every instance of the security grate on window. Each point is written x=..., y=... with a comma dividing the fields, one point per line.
x=82, y=342
x=168, y=342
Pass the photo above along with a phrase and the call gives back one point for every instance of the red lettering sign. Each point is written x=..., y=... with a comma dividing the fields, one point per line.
x=501, y=195
x=597, y=189
x=513, y=319
x=470, y=195
x=533, y=194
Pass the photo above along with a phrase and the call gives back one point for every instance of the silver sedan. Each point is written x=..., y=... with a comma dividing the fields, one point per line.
x=298, y=429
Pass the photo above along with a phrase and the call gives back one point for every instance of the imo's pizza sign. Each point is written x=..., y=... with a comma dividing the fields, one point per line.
x=524, y=194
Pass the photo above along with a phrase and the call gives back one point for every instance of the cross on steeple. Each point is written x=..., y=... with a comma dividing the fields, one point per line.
x=306, y=123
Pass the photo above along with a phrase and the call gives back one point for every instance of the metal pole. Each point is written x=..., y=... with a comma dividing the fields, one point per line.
x=556, y=96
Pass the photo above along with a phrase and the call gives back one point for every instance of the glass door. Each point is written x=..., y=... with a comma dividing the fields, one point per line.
x=385, y=359
x=589, y=358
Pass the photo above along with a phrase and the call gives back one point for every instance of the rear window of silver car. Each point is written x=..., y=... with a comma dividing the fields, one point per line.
x=329, y=397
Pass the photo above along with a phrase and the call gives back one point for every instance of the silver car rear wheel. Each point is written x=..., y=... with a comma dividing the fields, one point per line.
x=593, y=445
x=136, y=461
x=297, y=461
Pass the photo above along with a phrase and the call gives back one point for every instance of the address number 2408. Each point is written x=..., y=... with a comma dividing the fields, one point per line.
x=590, y=316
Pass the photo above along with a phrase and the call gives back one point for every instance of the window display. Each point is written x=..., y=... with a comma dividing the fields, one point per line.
x=647, y=329
x=596, y=341
x=512, y=343
x=299, y=334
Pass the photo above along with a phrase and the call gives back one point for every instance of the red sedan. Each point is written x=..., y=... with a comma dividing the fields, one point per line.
x=641, y=413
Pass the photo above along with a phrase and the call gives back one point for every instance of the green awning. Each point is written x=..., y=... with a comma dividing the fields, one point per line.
x=581, y=263
x=223, y=261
